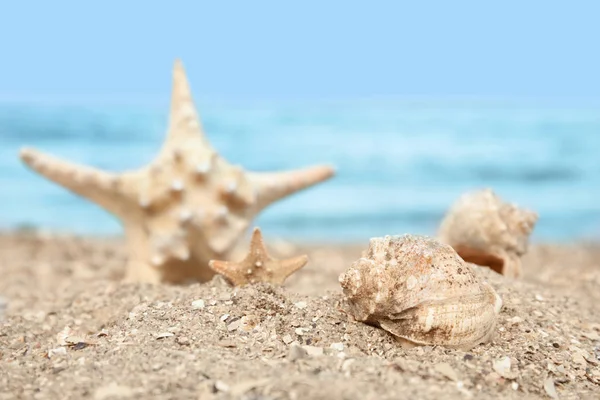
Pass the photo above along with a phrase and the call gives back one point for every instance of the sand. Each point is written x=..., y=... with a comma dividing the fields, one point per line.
x=71, y=330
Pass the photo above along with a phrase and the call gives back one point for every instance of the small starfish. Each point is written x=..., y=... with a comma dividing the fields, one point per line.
x=188, y=206
x=258, y=266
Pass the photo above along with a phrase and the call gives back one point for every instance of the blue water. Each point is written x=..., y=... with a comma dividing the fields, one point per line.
x=400, y=164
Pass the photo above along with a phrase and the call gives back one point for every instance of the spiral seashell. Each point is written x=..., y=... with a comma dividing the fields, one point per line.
x=422, y=292
x=487, y=231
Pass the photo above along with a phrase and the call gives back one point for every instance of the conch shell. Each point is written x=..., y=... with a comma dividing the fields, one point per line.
x=486, y=231
x=422, y=292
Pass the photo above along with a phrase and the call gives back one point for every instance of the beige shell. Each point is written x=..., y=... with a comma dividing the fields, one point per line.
x=422, y=292
x=486, y=231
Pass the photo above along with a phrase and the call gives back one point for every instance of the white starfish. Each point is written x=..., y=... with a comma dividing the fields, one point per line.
x=188, y=206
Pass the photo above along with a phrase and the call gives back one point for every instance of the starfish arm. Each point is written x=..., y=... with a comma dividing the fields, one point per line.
x=257, y=246
x=273, y=186
x=184, y=121
x=98, y=186
x=289, y=266
x=229, y=270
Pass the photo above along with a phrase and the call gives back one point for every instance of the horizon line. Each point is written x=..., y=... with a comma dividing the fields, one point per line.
x=138, y=100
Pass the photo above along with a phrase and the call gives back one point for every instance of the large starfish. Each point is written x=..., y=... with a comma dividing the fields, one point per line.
x=258, y=266
x=188, y=206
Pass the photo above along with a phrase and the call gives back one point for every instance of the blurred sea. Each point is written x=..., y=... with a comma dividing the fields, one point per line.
x=400, y=164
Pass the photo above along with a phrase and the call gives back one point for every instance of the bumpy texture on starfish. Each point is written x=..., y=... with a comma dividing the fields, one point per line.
x=188, y=206
x=258, y=266
x=486, y=231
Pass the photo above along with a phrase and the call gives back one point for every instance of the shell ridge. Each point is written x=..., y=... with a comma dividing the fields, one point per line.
x=445, y=306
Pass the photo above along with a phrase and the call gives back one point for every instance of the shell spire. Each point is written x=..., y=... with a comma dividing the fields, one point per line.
x=273, y=186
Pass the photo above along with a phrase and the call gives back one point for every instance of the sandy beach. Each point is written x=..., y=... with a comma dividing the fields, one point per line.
x=71, y=330
x=145, y=150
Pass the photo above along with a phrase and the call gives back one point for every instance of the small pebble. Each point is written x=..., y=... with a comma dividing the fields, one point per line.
x=287, y=339
x=301, y=304
x=184, y=341
x=198, y=304
x=59, y=351
x=578, y=358
x=313, y=351
x=539, y=297
x=224, y=297
x=337, y=346
x=234, y=325
x=550, y=389
x=221, y=386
